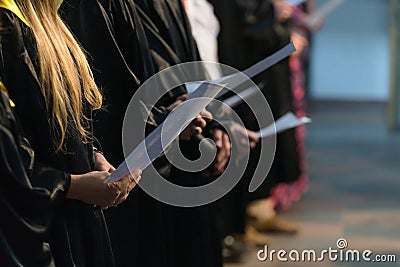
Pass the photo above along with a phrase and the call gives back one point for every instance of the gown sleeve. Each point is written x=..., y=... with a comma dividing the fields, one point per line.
x=26, y=210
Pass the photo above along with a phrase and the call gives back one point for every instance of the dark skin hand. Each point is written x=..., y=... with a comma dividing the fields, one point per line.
x=197, y=125
x=223, y=145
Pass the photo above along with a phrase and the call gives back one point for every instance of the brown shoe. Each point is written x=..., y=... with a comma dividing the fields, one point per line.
x=253, y=236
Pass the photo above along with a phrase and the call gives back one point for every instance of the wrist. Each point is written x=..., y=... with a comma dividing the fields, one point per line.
x=74, y=188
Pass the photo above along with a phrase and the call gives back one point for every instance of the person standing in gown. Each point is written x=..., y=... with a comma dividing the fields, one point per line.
x=126, y=48
x=50, y=82
x=193, y=237
x=285, y=194
x=250, y=31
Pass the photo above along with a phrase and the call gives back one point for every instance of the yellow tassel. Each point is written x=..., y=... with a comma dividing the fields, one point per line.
x=2, y=87
x=12, y=103
x=10, y=5
x=59, y=2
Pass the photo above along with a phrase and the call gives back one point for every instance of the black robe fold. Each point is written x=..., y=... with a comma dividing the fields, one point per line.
x=78, y=235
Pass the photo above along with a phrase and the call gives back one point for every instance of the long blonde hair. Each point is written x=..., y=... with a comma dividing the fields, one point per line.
x=65, y=77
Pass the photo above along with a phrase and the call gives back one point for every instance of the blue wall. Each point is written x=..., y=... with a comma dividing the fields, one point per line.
x=350, y=55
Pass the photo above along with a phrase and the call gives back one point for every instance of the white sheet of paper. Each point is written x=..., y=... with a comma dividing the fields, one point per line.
x=236, y=99
x=203, y=92
x=296, y=2
x=152, y=146
x=286, y=122
x=192, y=86
x=322, y=12
x=234, y=80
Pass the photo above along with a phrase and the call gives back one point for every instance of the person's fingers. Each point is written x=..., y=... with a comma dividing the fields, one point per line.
x=112, y=169
x=121, y=198
x=195, y=130
x=179, y=100
x=219, y=142
x=252, y=144
x=113, y=189
x=137, y=175
x=123, y=183
x=254, y=137
x=227, y=145
x=220, y=167
x=175, y=104
x=109, y=200
x=182, y=97
x=206, y=115
x=217, y=135
x=120, y=187
x=223, y=144
x=221, y=155
x=124, y=197
x=133, y=179
x=197, y=125
x=200, y=122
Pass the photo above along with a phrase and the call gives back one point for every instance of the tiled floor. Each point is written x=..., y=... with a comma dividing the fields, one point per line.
x=354, y=188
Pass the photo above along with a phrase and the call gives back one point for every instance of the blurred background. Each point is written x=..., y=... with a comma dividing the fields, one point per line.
x=353, y=143
x=350, y=58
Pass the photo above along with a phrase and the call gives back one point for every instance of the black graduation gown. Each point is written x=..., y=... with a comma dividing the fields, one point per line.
x=90, y=23
x=108, y=31
x=145, y=46
x=258, y=35
x=170, y=40
x=25, y=210
x=78, y=231
x=143, y=225
x=249, y=33
x=194, y=238
x=266, y=36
